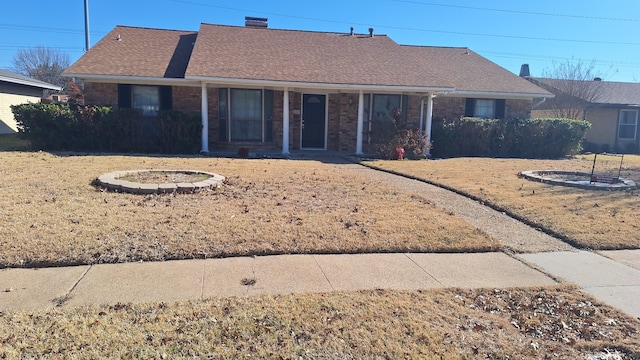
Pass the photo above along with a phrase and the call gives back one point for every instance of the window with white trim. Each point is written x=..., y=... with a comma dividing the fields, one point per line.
x=485, y=108
x=146, y=99
x=245, y=114
x=379, y=110
x=627, y=124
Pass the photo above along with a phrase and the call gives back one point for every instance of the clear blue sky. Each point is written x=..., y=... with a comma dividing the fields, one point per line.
x=507, y=32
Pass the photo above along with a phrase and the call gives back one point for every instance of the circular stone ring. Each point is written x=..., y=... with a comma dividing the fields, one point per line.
x=114, y=181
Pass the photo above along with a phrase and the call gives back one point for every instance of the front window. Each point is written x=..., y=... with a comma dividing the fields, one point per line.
x=246, y=115
x=146, y=99
x=627, y=124
x=379, y=110
x=484, y=109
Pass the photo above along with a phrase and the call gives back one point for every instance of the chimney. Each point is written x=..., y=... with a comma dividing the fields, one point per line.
x=597, y=79
x=351, y=33
x=370, y=32
x=256, y=22
x=524, y=70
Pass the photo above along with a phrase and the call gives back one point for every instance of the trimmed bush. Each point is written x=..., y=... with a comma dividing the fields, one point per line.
x=519, y=138
x=98, y=128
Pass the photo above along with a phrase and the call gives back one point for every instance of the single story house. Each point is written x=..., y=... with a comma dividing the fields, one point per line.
x=288, y=90
x=18, y=89
x=611, y=108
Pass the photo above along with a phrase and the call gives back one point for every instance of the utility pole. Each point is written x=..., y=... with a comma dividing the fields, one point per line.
x=86, y=25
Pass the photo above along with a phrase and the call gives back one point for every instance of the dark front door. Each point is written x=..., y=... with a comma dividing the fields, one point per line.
x=313, y=121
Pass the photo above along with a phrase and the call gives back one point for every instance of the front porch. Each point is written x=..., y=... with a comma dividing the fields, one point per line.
x=286, y=120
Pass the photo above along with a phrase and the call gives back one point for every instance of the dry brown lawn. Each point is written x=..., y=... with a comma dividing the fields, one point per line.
x=533, y=323
x=589, y=218
x=50, y=214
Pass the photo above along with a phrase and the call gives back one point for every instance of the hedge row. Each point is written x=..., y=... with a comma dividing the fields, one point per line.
x=520, y=138
x=98, y=128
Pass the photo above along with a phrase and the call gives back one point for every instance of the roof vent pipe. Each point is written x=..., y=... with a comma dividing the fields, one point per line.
x=370, y=32
x=250, y=21
x=524, y=70
x=351, y=33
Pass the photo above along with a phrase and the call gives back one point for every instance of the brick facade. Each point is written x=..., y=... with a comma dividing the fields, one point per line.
x=342, y=115
x=101, y=94
x=518, y=109
x=448, y=107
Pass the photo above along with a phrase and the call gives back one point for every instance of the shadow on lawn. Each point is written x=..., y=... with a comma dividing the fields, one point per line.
x=327, y=157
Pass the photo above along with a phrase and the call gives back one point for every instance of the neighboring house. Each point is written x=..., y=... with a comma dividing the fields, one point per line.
x=285, y=89
x=18, y=89
x=611, y=108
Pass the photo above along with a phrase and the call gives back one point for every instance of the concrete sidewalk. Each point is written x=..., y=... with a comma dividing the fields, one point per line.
x=611, y=276
x=27, y=289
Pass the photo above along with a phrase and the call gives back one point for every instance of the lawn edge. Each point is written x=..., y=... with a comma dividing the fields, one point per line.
x=489, y=204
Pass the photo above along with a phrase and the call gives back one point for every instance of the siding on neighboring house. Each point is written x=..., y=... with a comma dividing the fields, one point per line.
x=14, y=94
x=601, y=131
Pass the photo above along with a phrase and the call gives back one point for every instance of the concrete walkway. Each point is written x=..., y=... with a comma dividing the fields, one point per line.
x=198, y=279
x=611, y=276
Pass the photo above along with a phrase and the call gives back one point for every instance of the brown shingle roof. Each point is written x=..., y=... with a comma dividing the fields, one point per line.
x=141, y=52
x=467, y=71
x=303, y=56
x=610, y=92
x=288, y=56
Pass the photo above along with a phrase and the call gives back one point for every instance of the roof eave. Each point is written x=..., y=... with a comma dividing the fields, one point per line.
x=614, y=105
x=37, y=84
x=500, y=94
x=141, y=80
x=319, y=86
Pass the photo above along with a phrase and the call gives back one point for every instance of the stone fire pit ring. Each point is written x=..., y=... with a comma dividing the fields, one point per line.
x=113, y=182
x=575, y=179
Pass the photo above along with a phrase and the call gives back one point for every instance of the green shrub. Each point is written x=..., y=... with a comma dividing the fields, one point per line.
x=520, y=138
x=98, y=128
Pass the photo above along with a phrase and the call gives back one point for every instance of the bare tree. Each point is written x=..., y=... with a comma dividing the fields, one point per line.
x=42, y=63
x=575, y=85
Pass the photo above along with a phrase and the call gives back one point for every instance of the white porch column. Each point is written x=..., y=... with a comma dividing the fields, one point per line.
x=360, y=126
x=421, y=116
x=285, y=122
x=205, y=119
x=429, y=118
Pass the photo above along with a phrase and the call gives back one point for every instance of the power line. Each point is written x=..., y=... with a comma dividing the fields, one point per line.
x=417, y=29
x=516, y=11
x=557, y=58
x=18, y=47
x=44, y=29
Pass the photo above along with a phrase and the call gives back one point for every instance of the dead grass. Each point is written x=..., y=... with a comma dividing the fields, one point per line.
x=532, y=323
x=589, y=218
x=164, y=177
x=50, y=214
